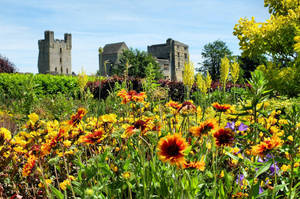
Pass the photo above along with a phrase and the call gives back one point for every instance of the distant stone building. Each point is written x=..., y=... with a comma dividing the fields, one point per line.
x=55, y=55
x=171, y=57
x=109, y=57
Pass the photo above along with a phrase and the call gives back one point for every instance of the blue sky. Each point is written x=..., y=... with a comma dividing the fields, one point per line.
x=94, y=23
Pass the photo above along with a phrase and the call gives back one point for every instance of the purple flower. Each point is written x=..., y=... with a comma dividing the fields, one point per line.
x=260, y=190
x=230, y=125
x=239, y=179
x=243, y=127
x=274, y=169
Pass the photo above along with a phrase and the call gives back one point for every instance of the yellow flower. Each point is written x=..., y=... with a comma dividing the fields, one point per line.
x=235, y=70
x=126, y=175
x=63, y=185
x=67, y=143
x=290, y=138
x=188, y=74
x=201, y=83
x=222, y=174
x=284, y=167
x=5, y=134
x=47, y=181
x=33, y=117
x=224, y=71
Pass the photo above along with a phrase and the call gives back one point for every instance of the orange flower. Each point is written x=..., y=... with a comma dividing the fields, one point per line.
x=131, y=96
x=204, y=128
x=173, y=105
x=224, y=137
x=27, y=169
x=267, y=145
x=75, y=119
x=92, y=138
x=200, y=165
x=171, y=149
x=221, y=107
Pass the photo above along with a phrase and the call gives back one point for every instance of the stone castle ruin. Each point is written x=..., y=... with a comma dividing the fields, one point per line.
x=54, y=54
x=109, y=57
x=171, y=57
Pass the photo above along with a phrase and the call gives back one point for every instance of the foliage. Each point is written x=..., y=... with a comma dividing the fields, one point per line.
x=212, y=54
x=285, y=81
x=275, y=37
x=137, y=60
x=6, y=66
x=249, y=64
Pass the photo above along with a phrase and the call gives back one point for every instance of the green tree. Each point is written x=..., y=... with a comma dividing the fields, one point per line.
x=137, y=62
x=212, y=54
x=249, y=64
x=273, y=38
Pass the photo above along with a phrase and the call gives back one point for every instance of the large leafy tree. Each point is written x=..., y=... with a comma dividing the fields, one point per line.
x=273, y=38
x=212, y=54
x=6, y=66
x=136, y=62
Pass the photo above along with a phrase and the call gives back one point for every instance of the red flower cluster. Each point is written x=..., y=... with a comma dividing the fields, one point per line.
x=94, y=137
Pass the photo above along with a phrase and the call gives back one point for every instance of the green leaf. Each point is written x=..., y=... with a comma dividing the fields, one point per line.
x=263, y=169
x=56, y=192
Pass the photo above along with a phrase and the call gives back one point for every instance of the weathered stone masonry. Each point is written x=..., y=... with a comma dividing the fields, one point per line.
x=55, y=55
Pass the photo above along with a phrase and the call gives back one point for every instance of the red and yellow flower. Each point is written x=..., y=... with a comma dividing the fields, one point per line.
x=204, y=128
x=224, y=137
x=267, y=145
x=171, y=149
x=221, y=107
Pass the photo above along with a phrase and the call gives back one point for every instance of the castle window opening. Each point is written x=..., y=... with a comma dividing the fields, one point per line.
x=178, y=65
x=178, y=54
x=61, y=70
x=60, y=60
x=55, y=69
x=185, y=56
x=60, y=50
x=67, y=71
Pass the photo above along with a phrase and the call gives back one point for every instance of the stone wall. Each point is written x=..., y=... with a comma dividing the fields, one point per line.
x=55, y=55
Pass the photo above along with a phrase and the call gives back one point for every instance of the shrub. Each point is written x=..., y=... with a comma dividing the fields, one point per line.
x=6, y=66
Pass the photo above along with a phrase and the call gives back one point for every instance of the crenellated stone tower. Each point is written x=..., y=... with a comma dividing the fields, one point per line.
x=55, y=55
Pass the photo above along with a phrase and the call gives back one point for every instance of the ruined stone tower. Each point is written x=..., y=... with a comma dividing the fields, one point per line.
x=171, y=57
x=109, y=57
x=55, y=55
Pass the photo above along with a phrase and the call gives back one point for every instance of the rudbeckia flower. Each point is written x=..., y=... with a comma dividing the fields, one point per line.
x=204, y=128
x=221, y=107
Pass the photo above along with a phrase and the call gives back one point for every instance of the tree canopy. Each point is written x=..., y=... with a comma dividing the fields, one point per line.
x=273, y=38
x=212, y=54
x=137, y=62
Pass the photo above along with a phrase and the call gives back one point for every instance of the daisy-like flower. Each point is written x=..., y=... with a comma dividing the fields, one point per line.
x=138, y=125
x=221, y=107
x=76, y=118
x=173, y=105
x=204, y=128
x=187, y=108
x=92, y=138
x=171, y=149
x=199, y=165
x=224, y=137
x=4, y=134
x=267, y=145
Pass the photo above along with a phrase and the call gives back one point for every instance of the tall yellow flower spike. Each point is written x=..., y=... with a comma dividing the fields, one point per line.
x=201, y=83
x=188, y=74
x=225, y=65
x=235, y=70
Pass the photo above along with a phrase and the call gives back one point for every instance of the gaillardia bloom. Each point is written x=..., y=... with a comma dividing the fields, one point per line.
x=267, y=145
x=171, y=149
x=203, y=129
x=221, y=107
x=224, y=137
x=75, y=119
x=131, y=96
x=187, y=108
x=94, y=137
x=138, y=125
